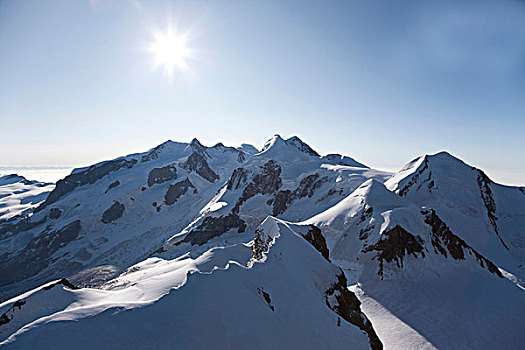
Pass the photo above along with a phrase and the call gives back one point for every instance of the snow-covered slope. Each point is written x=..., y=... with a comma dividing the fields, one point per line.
x=421, y=285
x=238, y=296
x=490, y=216
x=193, y=246
x=102, y=219
x=19, y=195
x=286, y=179
x=112, y=214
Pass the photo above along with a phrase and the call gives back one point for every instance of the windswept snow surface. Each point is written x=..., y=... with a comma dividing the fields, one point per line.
x=220, y=299
x=196, y=247
x=19, y=195
x=416, y=295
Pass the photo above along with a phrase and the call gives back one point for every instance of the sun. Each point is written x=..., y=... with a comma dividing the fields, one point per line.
x=170, y=50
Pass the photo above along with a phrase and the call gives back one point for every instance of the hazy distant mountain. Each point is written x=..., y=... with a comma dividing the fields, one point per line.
x=197, y=247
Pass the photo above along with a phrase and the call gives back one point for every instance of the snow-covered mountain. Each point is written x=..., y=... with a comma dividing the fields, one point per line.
x=490, y=216
x=19, y=195
x=193, y=246
x=421, y=284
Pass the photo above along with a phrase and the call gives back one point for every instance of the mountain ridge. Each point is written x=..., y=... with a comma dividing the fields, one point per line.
x=134, y=237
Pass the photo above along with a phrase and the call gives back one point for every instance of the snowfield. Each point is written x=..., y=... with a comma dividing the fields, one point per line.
x=188, y=246
x=19, y=195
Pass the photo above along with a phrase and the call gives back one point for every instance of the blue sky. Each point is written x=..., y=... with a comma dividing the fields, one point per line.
x=381, y=81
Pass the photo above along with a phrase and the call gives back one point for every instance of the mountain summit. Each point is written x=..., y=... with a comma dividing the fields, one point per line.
x=192, y=246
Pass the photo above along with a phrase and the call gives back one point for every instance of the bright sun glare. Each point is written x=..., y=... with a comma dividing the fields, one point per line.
x=170, y=51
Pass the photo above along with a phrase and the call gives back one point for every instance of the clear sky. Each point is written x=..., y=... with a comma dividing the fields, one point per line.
x=381, y=81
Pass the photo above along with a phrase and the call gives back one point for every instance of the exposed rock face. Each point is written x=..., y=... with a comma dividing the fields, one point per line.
x=261, y=244
x=63, y=282
x=7, y=316
x=212, y=227
x=265, y=182
x=88, y=176
x=317, y=240
x=161, y=175
x=10, y=229
x=112, y=185
x=54, y=213
x=154, y=153
x=307, y=187
x=198, y=147
x=297, y=142
x=446, y=242
x=241, y=157
x=36, y=255
x=281, y=201
x=25, y=223
x=488, y=200
x=403, y=191
x=365, y=215
x=176, y=191
x=344, y=303
x=197, y=163
x=395, y=244
x=113, y=213
x=266, y=297
x=238, y=178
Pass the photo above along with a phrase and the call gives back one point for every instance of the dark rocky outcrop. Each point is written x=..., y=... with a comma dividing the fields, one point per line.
x=488, y=200
x=84, y=177
x=237, y=179
x=261, y=244
x=8, y=316
x=446, y=242
x=24, y=224
x=522, y=189
x=345, y=303
x=36, y=255
x=154, y=153
x=212, y=227
x=394, y=245
x=241, y=157
x=317, y=240
x=54, y=213
x=161, y=175
x=303, y=147
x=266, y=297
x=198, y=147
x=267, y=181
x=197, y=162
x=403, y=191
x=365, y=215
x=176, y=191
x=112, y=185
x=281, y=201
x=113, y=213
x=307, y=187
x=63, y=282
x=364, y=232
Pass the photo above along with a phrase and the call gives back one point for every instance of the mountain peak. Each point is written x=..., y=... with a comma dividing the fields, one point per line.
x=376, y=194
x=248, y=149
x=196, y=143
x=444, y=157
x=279, y=145
x=272, y=142
x=297, y=142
